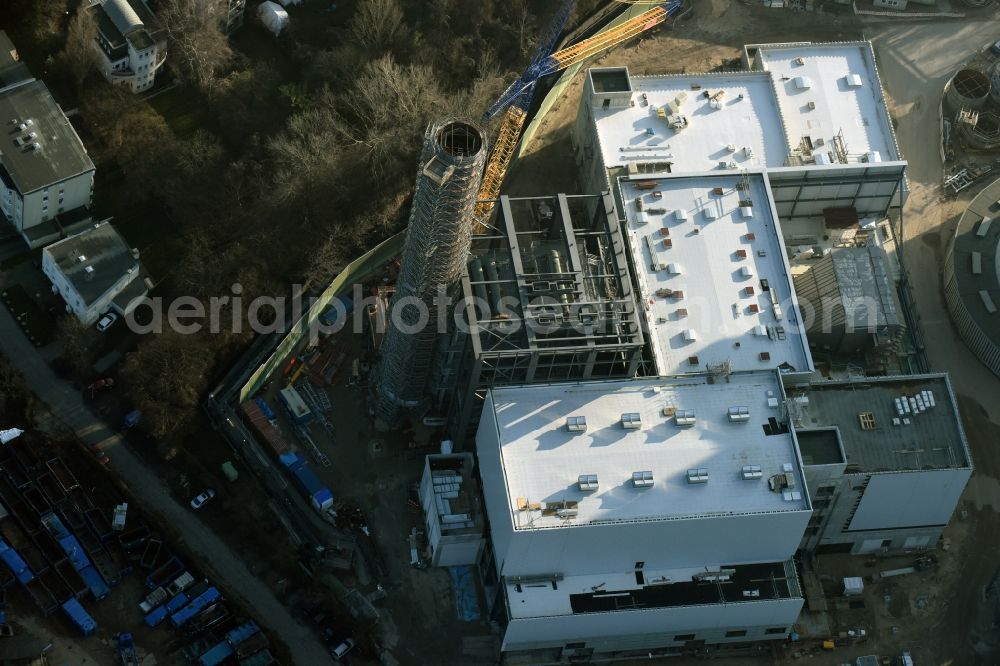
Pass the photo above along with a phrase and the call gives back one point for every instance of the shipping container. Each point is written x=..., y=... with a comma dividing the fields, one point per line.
x=62, y=474
x=308, y=483
x=242, y=632
x=269, y=436
x=15, y=563
x=216, y=655
x=165, y=574
x=203, y=600
x=296, y=407
x=79, y=617
x=179, y=601
x=155, y=617
x=251, y=646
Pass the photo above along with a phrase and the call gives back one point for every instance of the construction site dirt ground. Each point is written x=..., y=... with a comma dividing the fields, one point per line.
x=954, y=623
x=377, y=472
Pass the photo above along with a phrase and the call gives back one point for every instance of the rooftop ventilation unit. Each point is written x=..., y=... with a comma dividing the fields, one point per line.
x=631, y=420
x=587, y=482
x=800, y=61
x=680, y=214
x=803, y=82
x=685, y=418
x=690, y=335
x=699, y=475
x=751, y=472
x=642, y=479
x=852, y=81
x=567, y=513
x=710, y=214
x=576, y=423
x=746, y=211
x=746, y=272
x=673, y=269
x=739, y=414
x=791, y=495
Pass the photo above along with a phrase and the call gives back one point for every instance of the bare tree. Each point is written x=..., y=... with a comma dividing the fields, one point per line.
x=377, y=24
x=78, y=57
x=198, y=48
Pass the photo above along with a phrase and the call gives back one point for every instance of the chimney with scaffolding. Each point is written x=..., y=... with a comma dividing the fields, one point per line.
x=434, y=256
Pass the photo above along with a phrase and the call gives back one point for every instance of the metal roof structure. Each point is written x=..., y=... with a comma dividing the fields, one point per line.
x=858, y=280
x=831, y=89
x=94, y=260
x=121, y=21
x=876, y=437
x=688, y=457
x=713, y=275
x=39, y=146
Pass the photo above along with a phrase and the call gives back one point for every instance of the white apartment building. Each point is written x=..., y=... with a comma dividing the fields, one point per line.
x=131, y=42
x=95, y=271
x=641, y=516
x=44, y=167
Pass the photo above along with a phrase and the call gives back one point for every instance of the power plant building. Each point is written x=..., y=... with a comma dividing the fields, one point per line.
x=886, y=461
x=812, y=117
x=641, y=515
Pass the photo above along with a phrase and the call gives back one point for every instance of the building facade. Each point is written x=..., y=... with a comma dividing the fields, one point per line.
x=131, y=43
x=94, y=272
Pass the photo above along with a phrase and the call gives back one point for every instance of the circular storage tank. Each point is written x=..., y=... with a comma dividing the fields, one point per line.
x=969, y=89
x=995, y=80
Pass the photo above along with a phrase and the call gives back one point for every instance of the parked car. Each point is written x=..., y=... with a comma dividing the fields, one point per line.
x=107, y=321
x=100, y=455
x=201, y=499
x=342, y=648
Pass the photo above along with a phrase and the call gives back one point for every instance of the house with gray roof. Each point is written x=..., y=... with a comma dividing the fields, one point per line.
x=95, y=271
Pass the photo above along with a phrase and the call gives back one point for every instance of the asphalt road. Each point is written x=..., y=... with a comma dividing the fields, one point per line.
x=214, y=556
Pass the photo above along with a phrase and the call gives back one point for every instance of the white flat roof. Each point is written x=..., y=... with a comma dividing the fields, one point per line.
x=542, y=460
x=843, y=94
x=723, y=313
x=747, y=117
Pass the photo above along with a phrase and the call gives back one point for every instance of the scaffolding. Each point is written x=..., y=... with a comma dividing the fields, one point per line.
x=548, y=297
x=434, y=256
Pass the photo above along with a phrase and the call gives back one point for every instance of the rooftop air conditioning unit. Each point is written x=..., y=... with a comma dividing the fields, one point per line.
x=576, y=423
x=852, y=81
x=800, y=61
x=685, y=418
x=811, y=106
x=642, y=479
x=739, y=414
x=803, y=82
x=710, y=214
x=690, y=335
x=631, y=420
x=751, y=472
x=673, y=269
x=746, y=272
x=680, y=215
x=746, y=211
x=587, y=482
x=699, y=475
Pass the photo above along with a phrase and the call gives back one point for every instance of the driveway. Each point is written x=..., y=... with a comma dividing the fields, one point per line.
x=214, y=555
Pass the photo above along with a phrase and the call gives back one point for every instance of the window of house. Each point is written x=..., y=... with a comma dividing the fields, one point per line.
x=736, y=633
x=774, y=631
x=684, y=637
